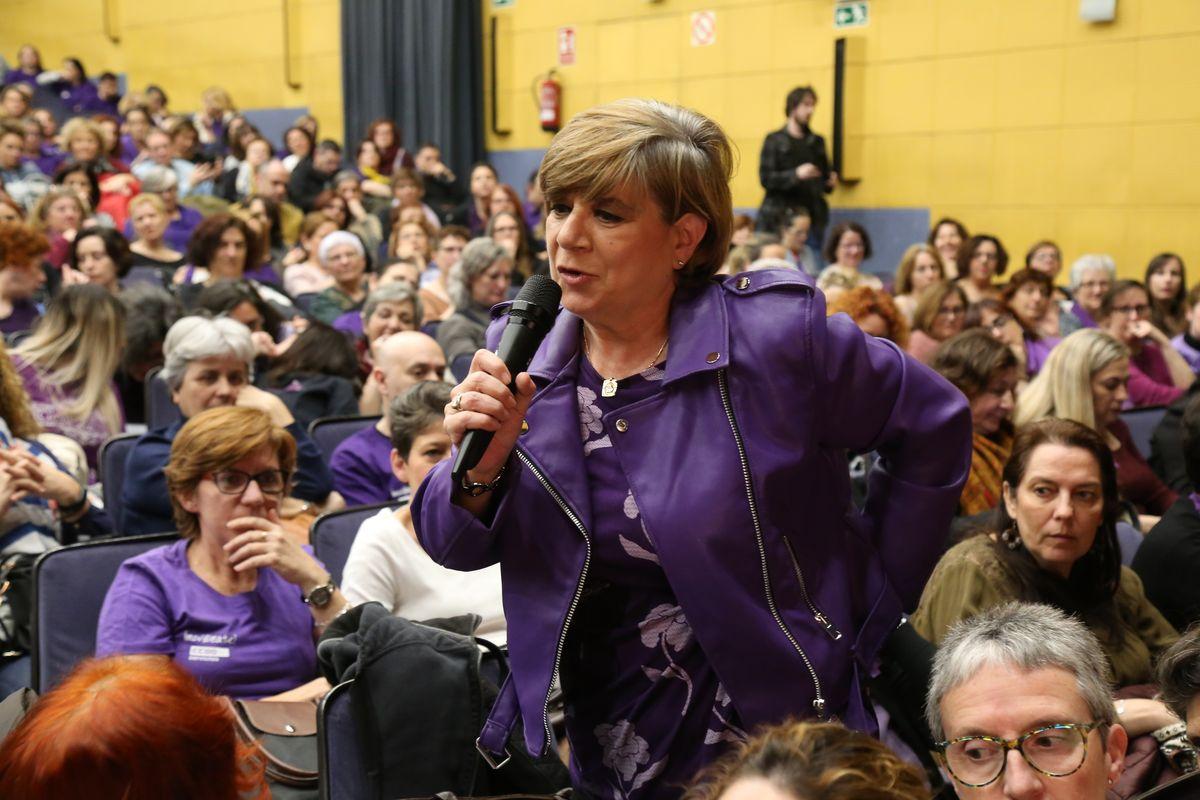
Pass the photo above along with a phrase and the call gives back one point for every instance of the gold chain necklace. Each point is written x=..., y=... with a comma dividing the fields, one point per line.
x=609, y=387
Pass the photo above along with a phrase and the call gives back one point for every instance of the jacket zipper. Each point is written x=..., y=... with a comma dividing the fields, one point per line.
x=818, y=615
x=819, y=702
x=587, y=560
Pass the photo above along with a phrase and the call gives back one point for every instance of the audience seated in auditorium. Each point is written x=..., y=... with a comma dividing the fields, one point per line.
x=1085, y=380
x=1187, y=343
x=477, y=282
x=407, y=189
x=947, y=236
x=263, y=216
x=21, y=179
x=1028, y=678
x=940, y=313
x=21, y=251
x=150, y=311
x=1092, y=275
x=794, y=237
x=99, y=256
x=314, y=174
x=442, y=192
x=272, y=182
x=298, y=143
x=134, y=130
x=920, y=267
x=980, y=260
x=59, y=214
x=846, y=247
x=239, y=181
x=985, y=370
x=181, y=220
x=235, y=578
x=130, y=727
x=190, y=178
x=361, y=466
x=359, y=220
x=387, y=564
x=208, y=363
x=803, y=760
x=1157, y=374
x=412, y=239
x=342, y=255
x=29, y=66
x=475, y=211
x=1054, y=541
x=1027, y=298
x=1170, y=554
x=388, y=309
x=873, y=311
x=1166, y=283
x=385, y=134
x=435, y=287
x=302, y=270
x=316, y=375
x=508, y=230
x=1045, y=257
x=68, y=363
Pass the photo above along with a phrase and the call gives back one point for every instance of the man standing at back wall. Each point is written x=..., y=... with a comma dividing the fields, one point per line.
x=795, y=171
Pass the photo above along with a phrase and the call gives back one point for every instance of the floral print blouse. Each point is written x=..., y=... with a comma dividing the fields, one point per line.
x=645, y=710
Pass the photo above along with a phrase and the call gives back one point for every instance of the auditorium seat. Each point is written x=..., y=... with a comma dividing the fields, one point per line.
x=339, y=756
x=333, y=534
x=69, y=585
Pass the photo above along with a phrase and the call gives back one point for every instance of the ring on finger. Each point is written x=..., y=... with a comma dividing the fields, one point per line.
x=456, y=403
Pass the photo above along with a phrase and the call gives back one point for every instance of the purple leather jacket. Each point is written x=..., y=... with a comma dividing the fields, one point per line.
x=739, y=469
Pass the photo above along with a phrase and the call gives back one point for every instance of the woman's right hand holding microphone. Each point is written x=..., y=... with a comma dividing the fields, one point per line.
x=483, y=402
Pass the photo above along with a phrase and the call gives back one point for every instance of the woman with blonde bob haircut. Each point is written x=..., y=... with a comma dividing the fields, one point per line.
x=67, y=365
x=802, y=760
x=628, y=571
x=1085, y=379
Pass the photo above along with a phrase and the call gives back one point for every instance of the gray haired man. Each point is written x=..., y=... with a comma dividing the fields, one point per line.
x=1020, y=707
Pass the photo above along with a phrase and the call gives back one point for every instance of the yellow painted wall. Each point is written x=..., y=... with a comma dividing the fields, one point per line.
x=187, y=46
x=1014, y=115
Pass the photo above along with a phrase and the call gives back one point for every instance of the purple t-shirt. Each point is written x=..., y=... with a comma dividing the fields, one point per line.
x=254, y=644
x=362, y=469
x=24, y=314
x=350, y=324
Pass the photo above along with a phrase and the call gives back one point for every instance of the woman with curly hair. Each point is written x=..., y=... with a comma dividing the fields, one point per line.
x=21, y=251
x=801, y=760
x=874, y=311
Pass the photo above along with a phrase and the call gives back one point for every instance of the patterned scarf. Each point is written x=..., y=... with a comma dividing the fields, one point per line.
x=988, y=456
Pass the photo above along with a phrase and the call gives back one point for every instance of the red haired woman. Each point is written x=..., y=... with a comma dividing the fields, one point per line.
x=129, y=728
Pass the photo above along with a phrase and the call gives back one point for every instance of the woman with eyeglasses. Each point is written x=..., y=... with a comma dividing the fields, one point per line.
x=1092, y=275
x=846, y=247
x=1085, y=379
x=980, y=259
x=1054, y=541
x=941, y=313
x=236, y=601
x=1158, y=375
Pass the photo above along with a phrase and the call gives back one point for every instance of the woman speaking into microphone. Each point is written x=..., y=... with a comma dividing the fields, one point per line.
x=667, y=490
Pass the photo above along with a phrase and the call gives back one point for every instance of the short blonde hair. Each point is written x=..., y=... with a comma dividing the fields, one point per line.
x=217, y=439
x=147, y=199
x=681, y=159
x=930, y=302
x=77, y=125
x=1063, y=387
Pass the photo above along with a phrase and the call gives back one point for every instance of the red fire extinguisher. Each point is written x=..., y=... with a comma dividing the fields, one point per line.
x=550, y=103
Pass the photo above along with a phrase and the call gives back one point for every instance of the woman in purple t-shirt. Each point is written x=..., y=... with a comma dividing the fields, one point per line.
x=235, y=601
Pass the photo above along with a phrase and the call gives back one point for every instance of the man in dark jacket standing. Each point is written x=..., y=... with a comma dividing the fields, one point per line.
x=795, y=170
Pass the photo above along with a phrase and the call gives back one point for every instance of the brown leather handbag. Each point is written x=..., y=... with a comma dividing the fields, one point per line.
x=286, y=733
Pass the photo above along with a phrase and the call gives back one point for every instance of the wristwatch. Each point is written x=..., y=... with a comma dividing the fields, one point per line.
x=320, y=596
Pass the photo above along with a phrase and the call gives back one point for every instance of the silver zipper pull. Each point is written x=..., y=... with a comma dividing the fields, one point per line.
x=829, y=627
x=819, y=707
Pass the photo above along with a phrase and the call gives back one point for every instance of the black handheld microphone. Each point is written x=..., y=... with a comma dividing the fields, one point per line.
x=529, y=320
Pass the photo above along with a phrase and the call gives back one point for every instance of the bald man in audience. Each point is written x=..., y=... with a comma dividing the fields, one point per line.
x=361, y=465
x=272, y=181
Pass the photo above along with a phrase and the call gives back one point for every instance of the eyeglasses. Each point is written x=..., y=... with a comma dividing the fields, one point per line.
x=1140, y=310
x=951, y=311
x=986, y=257
x=1054, y=750
x=1000, y=322
x=1101, y=285
x=234, y=481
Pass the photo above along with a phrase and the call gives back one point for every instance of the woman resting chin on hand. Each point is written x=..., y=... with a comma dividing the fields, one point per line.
x=235, y=601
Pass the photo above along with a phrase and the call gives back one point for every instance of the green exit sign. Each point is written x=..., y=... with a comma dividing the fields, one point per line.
x=850, y=15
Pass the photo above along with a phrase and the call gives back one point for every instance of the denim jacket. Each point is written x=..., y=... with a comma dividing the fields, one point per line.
x=739, y=469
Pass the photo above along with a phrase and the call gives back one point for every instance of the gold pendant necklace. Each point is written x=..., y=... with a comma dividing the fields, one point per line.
x=608, y=388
